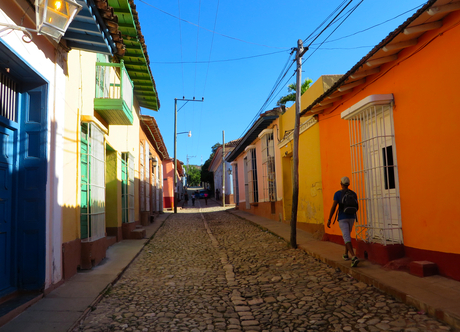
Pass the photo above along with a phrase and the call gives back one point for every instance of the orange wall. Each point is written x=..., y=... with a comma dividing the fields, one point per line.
x=427, y=121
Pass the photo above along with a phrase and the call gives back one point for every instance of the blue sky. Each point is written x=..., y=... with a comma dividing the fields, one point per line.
x=263, y=32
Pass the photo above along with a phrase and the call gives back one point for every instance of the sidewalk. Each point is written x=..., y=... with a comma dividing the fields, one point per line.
x=63, y=307
x=438, y=296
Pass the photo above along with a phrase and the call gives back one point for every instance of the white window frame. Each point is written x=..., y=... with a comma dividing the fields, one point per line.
x=147, y=175
x=252, y=174
x=96, y=184
x=371, y=133
x=141, y=175
x=268, y=160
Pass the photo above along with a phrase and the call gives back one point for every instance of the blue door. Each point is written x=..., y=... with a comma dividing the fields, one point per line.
x=23, y=174
x=31, y=239
x=7, y=140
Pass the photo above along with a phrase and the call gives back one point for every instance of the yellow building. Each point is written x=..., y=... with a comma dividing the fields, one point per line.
x=102, y=154
x=310, y=207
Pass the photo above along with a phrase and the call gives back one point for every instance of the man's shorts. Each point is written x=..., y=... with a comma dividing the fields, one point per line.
x=346, y=225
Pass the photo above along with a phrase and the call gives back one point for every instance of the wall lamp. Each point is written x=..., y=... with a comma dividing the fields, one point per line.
x=53, y=17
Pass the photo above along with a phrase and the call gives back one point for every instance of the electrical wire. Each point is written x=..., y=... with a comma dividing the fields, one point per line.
x=349, y=13
x=273, y=93
x=374, y=26
x=197, y=40
x=327, y=26
x=277, y=83
x=207, y=70
x=181, y=53
x=213, y=32
x=216, y=61
x=325, y=20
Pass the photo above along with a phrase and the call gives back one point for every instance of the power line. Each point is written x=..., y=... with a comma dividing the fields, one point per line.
x=213, y=32
x=272, y=94
x=327, y=26
x=210, y=50
x=216, y=61
x=197, y=40
x=325, y=20
x=181, y=57
x=349, y=13
x=374, y=26
x=207, y=71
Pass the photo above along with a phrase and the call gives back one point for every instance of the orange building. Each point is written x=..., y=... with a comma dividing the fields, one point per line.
x=389, y=124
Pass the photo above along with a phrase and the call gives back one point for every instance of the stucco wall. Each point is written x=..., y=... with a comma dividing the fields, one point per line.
x=424, y=84
x=44, y=59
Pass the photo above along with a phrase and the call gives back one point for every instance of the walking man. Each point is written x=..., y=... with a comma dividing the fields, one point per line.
x=193, y=198
x=347, y=200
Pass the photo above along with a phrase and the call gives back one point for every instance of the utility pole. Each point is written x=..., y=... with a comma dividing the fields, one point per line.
x=175, y=144
x=188, y=167
x=223, y=168
x=295, y=191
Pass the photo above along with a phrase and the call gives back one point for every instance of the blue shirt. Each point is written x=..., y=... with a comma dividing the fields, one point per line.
x=342, y=215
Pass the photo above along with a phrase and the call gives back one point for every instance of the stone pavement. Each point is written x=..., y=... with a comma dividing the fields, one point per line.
x=435, y=295
x=209, y=270
x=63, y=307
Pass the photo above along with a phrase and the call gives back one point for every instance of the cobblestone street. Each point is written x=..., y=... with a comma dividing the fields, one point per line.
x=208, y=270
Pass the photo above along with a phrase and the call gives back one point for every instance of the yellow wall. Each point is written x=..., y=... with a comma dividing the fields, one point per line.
x=80, y=92
x=310, y=207
x=322, y=84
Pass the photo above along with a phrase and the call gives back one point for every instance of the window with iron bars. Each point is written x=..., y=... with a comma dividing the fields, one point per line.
x=92, y=183
x=375, y=170
x=8, y=96
x=127, y=187
x=252, y=176
x=268, y=160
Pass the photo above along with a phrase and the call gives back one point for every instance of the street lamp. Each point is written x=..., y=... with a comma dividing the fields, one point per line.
x=175, y=143
x=53, y=17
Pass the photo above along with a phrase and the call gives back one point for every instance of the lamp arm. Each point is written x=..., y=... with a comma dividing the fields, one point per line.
x=27, y=38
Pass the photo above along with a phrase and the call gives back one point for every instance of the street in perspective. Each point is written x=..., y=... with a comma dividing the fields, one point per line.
x=206, y=269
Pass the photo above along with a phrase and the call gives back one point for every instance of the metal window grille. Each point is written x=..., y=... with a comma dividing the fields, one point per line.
x=268, y=160
x=131, y=188
x=375, y=175
x=124, y=188
x=236, y=188
x=147, y=176
x=252, y=176
x=93, y=183
x=8, y=95
x=141, y=177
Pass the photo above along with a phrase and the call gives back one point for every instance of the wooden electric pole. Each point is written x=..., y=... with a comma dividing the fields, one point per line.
x=295, y=190
x=223, y=168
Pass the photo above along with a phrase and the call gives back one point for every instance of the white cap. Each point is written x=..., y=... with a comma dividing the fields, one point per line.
x=345, y=181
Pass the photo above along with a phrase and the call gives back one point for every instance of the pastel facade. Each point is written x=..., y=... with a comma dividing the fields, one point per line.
x=219, y=171
x=157, y=154
x=36, y=203
x=310, y=204
x=168, y=182
x=382, y=133
x=71, y=145
x=256, y=169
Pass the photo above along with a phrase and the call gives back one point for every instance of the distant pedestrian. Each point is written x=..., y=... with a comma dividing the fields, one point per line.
x=217, y=194
x=347, y=200
x=193, y=199
x=206, y=197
